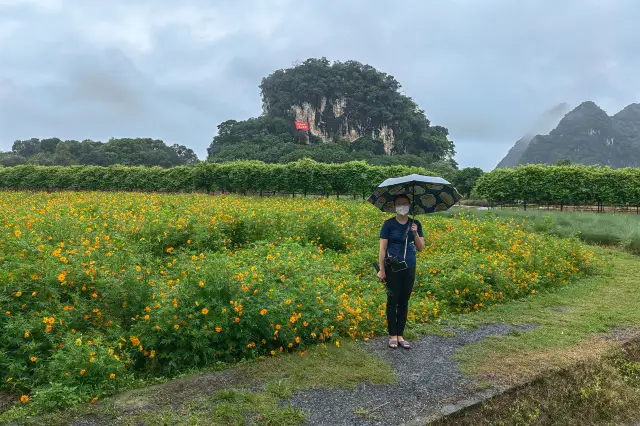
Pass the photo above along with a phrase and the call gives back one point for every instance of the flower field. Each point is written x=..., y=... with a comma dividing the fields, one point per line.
x=100, y=288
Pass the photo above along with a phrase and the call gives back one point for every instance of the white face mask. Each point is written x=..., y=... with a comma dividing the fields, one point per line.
x=402, y=210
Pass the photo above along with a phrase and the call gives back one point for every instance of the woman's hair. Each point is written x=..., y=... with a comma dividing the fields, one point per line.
x=397, y=197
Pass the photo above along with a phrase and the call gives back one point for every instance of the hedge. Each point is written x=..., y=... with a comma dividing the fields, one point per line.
x=301, y=177
x=561, y=185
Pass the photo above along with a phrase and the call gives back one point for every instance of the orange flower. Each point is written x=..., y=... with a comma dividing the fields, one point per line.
x=24, y=399
x=33, y=358
x=205, y=311
x=263, y=311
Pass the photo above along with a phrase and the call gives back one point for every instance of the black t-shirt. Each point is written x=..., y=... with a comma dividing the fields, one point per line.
x=395, y=232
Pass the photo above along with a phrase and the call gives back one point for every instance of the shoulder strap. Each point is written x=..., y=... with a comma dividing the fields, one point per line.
x=406, y=240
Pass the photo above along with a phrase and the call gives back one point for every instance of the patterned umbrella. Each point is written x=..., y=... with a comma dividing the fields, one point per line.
x=427, y=194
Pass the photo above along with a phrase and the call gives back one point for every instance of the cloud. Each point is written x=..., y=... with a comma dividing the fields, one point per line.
x=175, y=70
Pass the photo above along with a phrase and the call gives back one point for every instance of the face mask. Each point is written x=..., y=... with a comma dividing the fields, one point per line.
x=402, y=210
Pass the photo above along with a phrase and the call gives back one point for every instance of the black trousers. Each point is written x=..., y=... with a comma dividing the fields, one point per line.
x=401, y=285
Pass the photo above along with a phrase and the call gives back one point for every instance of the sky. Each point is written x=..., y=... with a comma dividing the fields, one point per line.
x=488, y=70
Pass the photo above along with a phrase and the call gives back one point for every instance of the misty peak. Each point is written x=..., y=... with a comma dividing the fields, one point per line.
x=629, y=113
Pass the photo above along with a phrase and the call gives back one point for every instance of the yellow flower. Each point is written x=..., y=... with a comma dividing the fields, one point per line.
x=33, y=358
x=205, y=311
x=263, y=311
x=82, y=372
x=176, y=326
x=24, y=399
x=27, y=334
x=112, y=376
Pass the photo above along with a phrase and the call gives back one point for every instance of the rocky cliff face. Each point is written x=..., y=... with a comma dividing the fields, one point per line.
x=328, y=121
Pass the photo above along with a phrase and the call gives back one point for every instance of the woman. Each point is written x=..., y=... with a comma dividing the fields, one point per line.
x=401, y=239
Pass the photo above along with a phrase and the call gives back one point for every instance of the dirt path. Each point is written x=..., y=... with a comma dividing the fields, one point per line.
x=429, y=384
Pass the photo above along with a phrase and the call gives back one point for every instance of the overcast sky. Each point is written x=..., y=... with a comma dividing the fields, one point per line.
x=173, y=70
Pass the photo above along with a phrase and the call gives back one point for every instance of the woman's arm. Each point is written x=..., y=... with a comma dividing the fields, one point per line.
x=419, y=241
x=383, y=251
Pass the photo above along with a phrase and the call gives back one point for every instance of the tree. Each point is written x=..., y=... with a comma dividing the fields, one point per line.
x=125, y=151
x=465, y=180
x=62, y=156
x=563, y=162
x=26, y=148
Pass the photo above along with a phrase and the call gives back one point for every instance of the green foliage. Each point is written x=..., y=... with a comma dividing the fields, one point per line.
x=567, y=185
x=300, y=177
x=132, y=152
x=465, y=179
x=89, y=304
x=345, y=97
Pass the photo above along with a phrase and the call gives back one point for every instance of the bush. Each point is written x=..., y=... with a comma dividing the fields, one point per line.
x=100, y=288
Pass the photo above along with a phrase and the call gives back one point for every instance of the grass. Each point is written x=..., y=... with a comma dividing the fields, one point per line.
x=603, y=391
x=570, y=323
x=607, y=229
x=255, y=392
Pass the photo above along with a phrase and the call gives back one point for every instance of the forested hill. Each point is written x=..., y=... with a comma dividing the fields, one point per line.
x=586, y=135
x=131, y=152
x=353, y=112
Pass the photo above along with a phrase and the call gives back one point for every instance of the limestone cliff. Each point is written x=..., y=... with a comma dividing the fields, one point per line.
x=333, y=111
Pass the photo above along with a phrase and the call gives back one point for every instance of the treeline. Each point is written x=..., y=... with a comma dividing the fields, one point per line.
x=274, y=140
x=561, y=185
x=125, y=151
x=356, y=179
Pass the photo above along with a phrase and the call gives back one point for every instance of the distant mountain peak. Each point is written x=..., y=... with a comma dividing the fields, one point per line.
x=631, y=111
x=585, y=135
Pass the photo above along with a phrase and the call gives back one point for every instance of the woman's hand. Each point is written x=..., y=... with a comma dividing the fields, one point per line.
x=382, y=274
x=414, y=228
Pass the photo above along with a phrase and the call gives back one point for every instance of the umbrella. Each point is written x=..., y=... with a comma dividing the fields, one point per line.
x=427, y=194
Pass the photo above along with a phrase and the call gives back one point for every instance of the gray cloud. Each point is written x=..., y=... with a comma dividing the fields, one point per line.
x=486, y=69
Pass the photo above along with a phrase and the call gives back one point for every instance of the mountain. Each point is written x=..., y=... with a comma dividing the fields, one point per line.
x=542, y=125
x=515, y=153
x=585, y=135
x=352, y=111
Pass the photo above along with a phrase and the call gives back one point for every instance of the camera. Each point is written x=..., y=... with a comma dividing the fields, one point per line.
x=394, y=265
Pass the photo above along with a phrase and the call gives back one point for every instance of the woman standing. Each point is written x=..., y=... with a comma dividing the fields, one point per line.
x=399, y=238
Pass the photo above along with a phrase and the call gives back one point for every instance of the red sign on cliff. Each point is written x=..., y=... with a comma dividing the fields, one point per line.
x=301, y=125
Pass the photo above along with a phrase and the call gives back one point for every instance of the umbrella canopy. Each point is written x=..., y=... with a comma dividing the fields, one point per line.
x=427, y=194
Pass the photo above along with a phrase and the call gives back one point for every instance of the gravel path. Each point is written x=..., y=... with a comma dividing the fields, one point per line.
x=429, y=383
